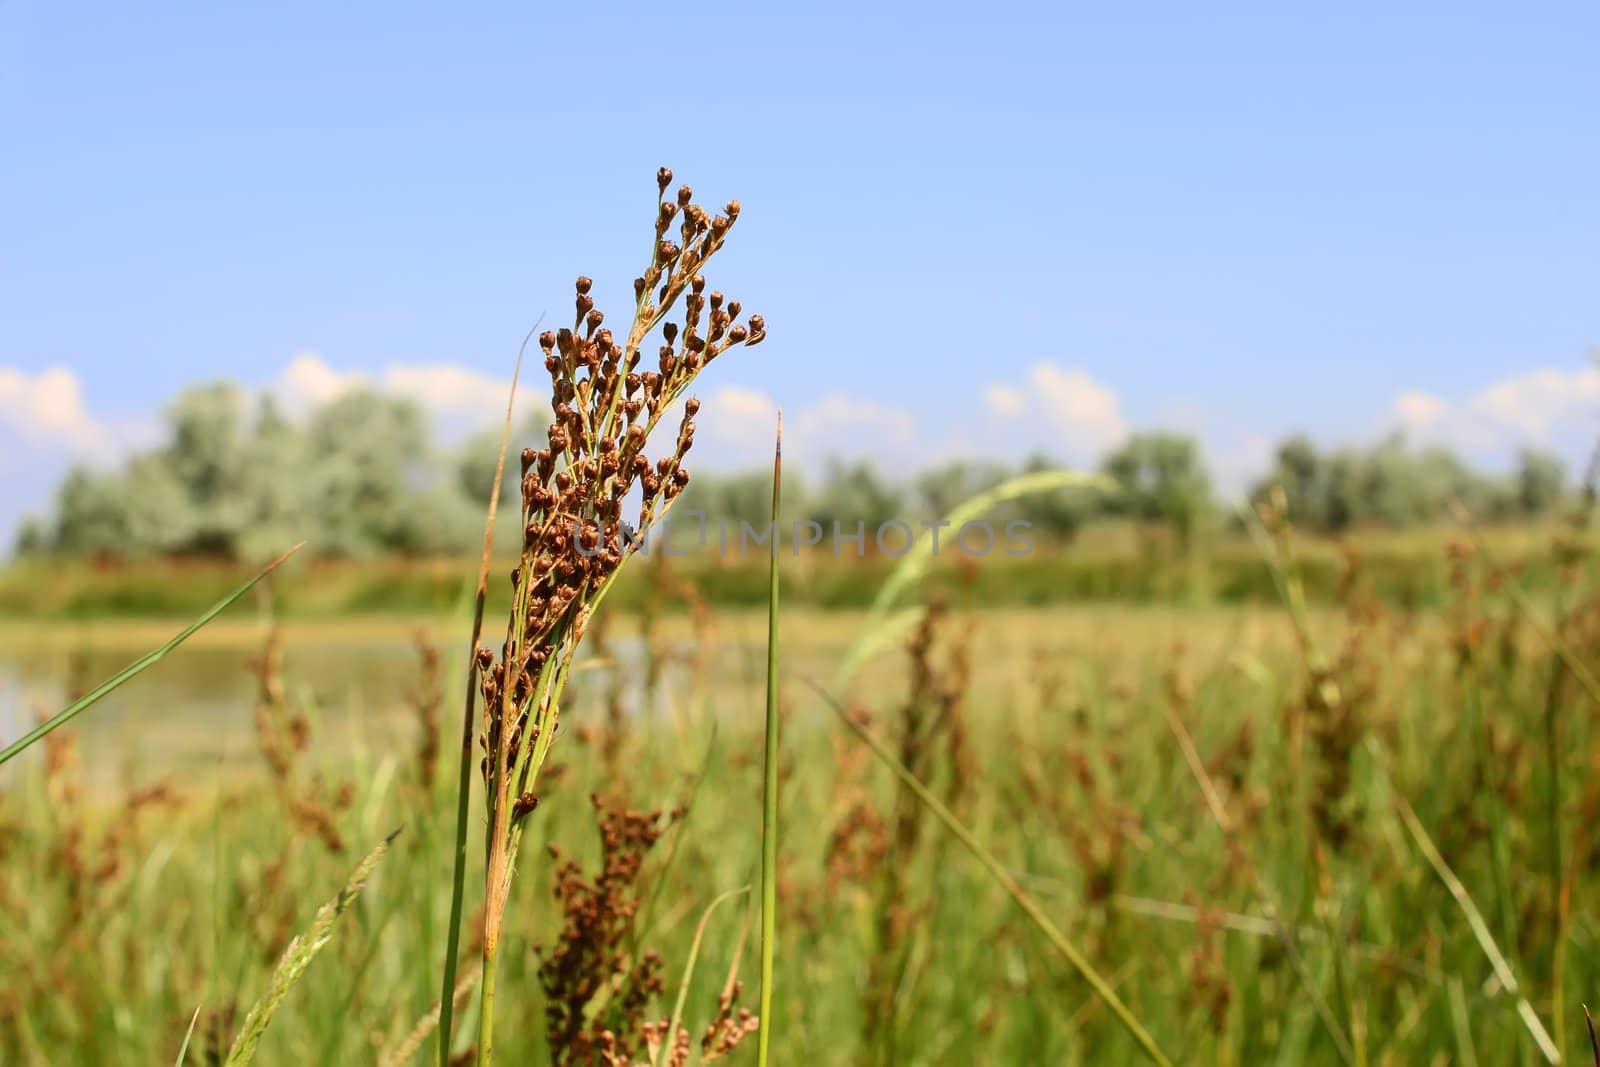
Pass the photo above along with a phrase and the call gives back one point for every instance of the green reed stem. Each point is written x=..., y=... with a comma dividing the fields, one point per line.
x=134, y=669
x=688, y=973
x=1469, y=910
x=486, y=1009
x=769, y=778
x=998, y=872
x=464, y=776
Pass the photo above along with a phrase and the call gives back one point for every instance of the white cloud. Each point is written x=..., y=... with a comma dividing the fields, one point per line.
x=46, y=410
x=735, y=414
x=843, y=423
x=1416, y=409
x=1005, y=400
x=308, y=381
x=739, y=424
x=457, y=398
x=1081, y=415
x=45, y=427
x=1535, y=408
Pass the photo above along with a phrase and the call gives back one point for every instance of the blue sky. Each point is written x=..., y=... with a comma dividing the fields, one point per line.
x=972, y=228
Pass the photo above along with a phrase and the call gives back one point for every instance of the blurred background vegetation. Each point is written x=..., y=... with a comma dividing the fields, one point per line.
x=361, y=476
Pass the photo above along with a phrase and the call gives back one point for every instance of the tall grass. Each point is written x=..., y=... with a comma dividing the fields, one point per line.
x=1077, y=790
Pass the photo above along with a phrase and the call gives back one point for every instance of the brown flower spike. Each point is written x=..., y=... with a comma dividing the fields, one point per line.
x=607, y=399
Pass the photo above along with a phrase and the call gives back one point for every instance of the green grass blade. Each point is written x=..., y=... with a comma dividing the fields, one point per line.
x=336, y=1034
x=998, y=872
x=136, y=668
x=298, y=956
x=1459, y=1020
x=426, y=1025
x=688, y=971
x=916, y=562
x=1219, y=814
x=769, y=783
x=649, y=914
x=1545, y=632
x=183, y=1049
x=1469, y=909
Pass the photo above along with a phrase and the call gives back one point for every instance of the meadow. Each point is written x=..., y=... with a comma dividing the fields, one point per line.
x=1111, y=562
x=1360, y=838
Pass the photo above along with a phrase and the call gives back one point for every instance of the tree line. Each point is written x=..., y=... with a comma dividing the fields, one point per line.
x=361, y=476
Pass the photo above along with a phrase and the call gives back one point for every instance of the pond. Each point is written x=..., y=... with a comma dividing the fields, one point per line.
x=358, y=681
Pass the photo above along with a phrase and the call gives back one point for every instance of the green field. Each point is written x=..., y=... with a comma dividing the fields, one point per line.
x=1271, y=899
x=1111, y=562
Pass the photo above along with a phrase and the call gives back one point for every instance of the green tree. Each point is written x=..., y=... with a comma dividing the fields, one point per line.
x=853, y=493
x=1061, y=514
x=476, y=459
x=90, y=518
x=1304, y=474
x=1539, y=482
x=191, y=495
x=367, y=486
x=33, y=537
x=940, y=490
x=1160, y=477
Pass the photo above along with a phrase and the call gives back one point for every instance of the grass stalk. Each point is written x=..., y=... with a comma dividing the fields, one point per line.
x=883, y=625
x=998, y=872
x=1576, y=668
x=298, y=956
x=136, y=668
x=402, y=1053
x=486, y=1007
x=1219, y=815
x=464, y=782
x=183, y=1049
x=769, y=780
x=1475, y=920
x=688, y=971
x=1459, y=1023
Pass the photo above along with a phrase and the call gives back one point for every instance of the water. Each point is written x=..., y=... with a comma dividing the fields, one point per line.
x=197, y=703
x=356, y=680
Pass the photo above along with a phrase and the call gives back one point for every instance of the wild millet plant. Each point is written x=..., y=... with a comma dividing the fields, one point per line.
x=605, y=404
x=593, y=958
